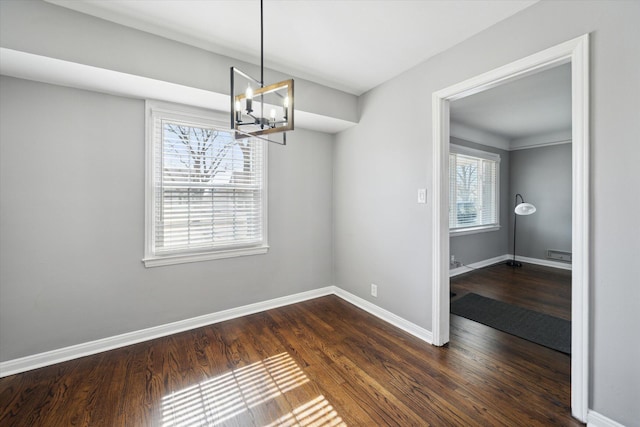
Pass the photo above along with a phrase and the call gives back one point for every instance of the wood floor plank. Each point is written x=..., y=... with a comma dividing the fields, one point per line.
x=321, y=362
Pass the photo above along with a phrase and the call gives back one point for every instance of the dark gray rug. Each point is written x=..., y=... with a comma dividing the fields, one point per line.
x=536, y=327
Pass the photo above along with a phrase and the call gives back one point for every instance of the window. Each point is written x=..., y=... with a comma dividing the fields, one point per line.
x=473, y=190
x=205, y=190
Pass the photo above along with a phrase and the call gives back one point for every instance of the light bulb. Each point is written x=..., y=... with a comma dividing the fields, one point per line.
x=238, y=111
x=285, y=104
x=249, y=97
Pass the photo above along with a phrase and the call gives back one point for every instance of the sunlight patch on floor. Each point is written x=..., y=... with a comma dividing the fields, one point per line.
x=227, y=396
x=315, y=413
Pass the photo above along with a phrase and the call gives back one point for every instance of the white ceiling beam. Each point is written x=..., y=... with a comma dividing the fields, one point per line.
x=43, y=69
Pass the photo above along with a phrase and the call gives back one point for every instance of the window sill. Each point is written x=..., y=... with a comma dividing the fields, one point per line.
x=159, y=261
x=473, y=230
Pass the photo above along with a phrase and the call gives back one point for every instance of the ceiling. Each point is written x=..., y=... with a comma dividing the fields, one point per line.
x=534, y=105
x=351, y=45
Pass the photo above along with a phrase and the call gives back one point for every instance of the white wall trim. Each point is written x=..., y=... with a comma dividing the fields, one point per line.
x=482, y=137
x=473, y=230
x=595, y=419
x=64, y=354
x=576, y=52
x=479, y=136
x=540, y=145
x=480, y=264
x=502, y=258
x=468, y=151
x=545, y=262
x=541, y=140
x=385, y=315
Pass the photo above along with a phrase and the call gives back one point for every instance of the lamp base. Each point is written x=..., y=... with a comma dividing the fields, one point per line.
x=513, y=263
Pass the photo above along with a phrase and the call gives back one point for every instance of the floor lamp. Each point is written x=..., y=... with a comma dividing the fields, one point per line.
x=520, y=209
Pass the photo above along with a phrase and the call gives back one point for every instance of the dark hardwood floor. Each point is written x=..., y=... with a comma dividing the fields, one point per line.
x=322, y=362
x=543, y=289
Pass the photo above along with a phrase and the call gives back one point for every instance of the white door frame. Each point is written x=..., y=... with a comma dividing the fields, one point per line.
x=576, y=52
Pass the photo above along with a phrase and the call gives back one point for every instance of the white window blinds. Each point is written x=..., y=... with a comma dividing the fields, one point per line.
x=473, y=189
x=208, y=187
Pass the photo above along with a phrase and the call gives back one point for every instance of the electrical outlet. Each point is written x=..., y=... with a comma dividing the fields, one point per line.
x=453, y=263
x=374, y=290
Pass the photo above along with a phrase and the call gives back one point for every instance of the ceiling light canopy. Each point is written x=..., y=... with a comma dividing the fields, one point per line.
x=257, y=110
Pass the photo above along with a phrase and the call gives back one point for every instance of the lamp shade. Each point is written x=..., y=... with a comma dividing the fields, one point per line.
x=525, y=209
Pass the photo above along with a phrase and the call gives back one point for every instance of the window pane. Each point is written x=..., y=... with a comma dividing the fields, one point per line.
x=472, y=191
x=467, y=197
x=208, y=189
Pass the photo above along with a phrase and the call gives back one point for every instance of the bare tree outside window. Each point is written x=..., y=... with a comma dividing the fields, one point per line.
x=208, y=188
x=473, y=189
x=201, y=152
x=467, y=186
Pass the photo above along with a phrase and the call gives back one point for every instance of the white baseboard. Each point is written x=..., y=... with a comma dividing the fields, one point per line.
x=503, y=258
x=47, y=358
x=595, y=419
x=544, y=262
x=479, y=264
x=35, y=361
x=385, y=315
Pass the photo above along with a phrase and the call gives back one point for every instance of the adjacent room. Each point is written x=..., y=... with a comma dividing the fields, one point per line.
x=319, y=213
x=506, y=142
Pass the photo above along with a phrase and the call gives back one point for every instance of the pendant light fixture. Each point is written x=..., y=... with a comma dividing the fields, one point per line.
x=257, y=110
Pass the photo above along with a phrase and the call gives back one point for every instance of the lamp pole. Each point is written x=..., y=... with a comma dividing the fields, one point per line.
x=513, y=262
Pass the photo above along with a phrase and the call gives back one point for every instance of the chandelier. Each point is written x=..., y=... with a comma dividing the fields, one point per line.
x=258, y=110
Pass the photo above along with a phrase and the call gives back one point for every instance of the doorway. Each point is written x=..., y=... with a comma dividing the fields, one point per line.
x=574, y=52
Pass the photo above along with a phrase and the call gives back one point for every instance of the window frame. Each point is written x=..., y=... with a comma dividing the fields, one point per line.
x=484, y=155
x=161, y=110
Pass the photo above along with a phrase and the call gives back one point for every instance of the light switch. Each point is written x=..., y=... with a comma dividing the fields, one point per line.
x=422, y=195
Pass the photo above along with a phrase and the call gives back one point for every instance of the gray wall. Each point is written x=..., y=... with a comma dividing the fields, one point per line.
x=72, y=225
x=543, y=177
x=476, y=247
x=383, y=236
